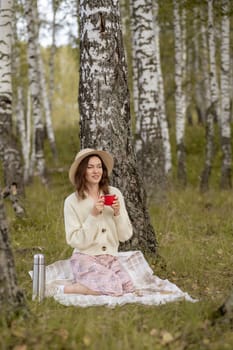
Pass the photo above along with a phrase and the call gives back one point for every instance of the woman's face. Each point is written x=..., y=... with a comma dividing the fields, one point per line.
x=94, y=171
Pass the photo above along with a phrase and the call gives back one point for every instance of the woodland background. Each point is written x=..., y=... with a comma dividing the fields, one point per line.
x=194, y=228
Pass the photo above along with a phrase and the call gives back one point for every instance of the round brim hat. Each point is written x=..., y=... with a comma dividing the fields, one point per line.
x=104, y=155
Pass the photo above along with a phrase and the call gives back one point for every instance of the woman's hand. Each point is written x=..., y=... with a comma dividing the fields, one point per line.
x=116, y=206
x=98, y=206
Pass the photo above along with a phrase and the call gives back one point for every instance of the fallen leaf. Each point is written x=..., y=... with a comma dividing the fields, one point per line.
x=154, y=332
x=166, y=337
x=86, y=340
x=206, y=341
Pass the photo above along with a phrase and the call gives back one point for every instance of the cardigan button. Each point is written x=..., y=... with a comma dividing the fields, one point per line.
x=103, y=230
x=104, y=248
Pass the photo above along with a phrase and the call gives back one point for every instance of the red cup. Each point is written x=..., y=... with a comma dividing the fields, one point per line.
x=108, y=199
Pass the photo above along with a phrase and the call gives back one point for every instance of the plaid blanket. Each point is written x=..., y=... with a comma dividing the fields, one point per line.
x=150, y=289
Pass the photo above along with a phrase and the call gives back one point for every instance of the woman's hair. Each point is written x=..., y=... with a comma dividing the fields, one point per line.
x=80, y=178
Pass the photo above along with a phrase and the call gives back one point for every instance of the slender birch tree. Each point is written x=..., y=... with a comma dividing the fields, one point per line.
x=179, y=94
x=9, y=153
x=55, y=6
x=11, y=297
x=105, y=109
x=213, y=111
x=23, y=128
x=45, y=94
x=34, y=86
x=47, y=110
x=225, y=126
x=231, y=84
x=205, y=62
x=149, y=141
x=200, y=104
x=161, y=94
x=214, y=88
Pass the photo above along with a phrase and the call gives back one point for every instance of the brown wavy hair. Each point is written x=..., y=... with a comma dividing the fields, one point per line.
x=80, y=178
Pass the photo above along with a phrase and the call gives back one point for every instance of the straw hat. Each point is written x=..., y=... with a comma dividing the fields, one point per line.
x=104, y=155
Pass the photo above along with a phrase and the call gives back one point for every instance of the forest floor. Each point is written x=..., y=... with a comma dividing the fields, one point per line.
x=194, y=232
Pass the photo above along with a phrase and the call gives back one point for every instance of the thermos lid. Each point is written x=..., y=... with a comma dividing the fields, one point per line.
x=39, y=259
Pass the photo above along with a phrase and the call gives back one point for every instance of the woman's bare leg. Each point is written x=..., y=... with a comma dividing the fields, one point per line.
x=78, y=288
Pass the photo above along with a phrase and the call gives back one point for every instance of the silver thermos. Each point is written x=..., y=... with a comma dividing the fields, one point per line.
x=38, y=279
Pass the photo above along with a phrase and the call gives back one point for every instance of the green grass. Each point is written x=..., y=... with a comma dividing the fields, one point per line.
x=195, y=234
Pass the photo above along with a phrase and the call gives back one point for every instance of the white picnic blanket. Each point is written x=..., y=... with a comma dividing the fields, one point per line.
x=150, y=289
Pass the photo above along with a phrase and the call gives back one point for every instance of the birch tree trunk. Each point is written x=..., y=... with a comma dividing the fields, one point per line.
x=47, y=110
x=213, y=108
x=11, y=298
x=209, y=112
x=9, y=153
x=149, y=142
x=105, y=109
x=55, y=5
x=179, y=95
x=23, y=131
x=205, y=63
x=225, y=98
x=200, y=103
x=214, y=88
x=162, y=108
x=135, y=82
x=43, y=89
x=231, y=84
x=35, y=88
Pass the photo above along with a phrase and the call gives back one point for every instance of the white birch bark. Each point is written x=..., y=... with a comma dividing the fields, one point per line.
x=47, y=111
x=184, y=61
x=16, y=61
x=9, y=153
x=179, y=94
x=214, y=88
x=24, y=132
x=105, y=108
x=213, y=108
x=30, y=156
x=162, y=108
x=135, y=87
x=189, y=86
x=225, y=98
x=35, y=89
x=46, y=94
x=149, y=141
x=231, y=84
x=52, y=55
x=205, y=62
x=19, y=109
x=11, y=297
x=5, y=73
x=199, y=69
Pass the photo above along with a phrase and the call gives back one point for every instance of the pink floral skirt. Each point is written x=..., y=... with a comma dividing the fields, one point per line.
x=101, y=273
